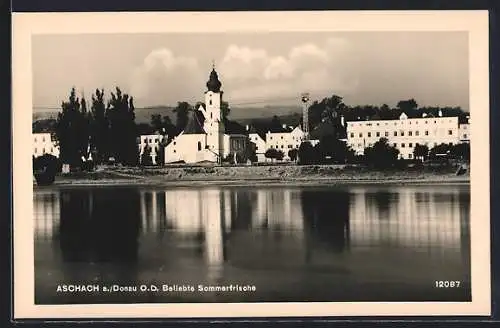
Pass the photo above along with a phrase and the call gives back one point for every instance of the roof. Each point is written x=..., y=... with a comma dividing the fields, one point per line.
x=232, y=127
x=193, y=125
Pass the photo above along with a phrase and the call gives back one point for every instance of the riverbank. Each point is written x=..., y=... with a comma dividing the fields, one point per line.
x=260, y=175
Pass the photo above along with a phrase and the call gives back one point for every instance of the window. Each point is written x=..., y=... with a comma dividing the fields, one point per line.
x=211, y=116
x=410, y=133
x=426, y=122
x=361, y=135
x=394, y=145
x=35, y=139
x=290, y=146
x=378, y=124
x=369, y=134
x=352, y=135
x=175, y=143
x=282, y=147
x=210, y=102
x=410, y=156
x=386, y=133
x=281, y=137
x=450, y=132
x=271, y=137
x=175, y=151
x=403, y=145
x=378, y=134
x=417, y=133
x=43, y=139
x=465, y=136
x=395, y=133
x=410, y=145
x=199, y=146
x=426, y=133
x=402, y=133
x=36, y=150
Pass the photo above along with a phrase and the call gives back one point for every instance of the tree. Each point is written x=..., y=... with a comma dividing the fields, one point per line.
x=123, y=130
x=307, y=154
x=461, y=151
x=381, y=154
x=182, y=110
x=421, y=152
x=146, y=156
x=332, y=148
x=272, y=153
x=439, y=151
x=72, y=130
x=156, y=122
x=225, y=110
x=160, y=157
x=170, y=129
x=407, y=105
x=99, y=127
x=280, y=155
x=293, y=154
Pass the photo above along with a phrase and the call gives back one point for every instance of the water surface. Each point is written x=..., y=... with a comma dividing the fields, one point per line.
x=343, y=243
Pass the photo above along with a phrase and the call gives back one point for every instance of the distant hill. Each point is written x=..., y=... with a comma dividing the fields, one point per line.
x=239, y=114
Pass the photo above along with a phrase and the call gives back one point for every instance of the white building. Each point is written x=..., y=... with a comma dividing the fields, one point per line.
x=403, y=133
x=43, y=143
x=154, y=142
x=260, y=143
x=283, y=138
x=206, y=138
x=464, y=132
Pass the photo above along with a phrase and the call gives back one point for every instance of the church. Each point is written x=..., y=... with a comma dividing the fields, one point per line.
x=208, y=137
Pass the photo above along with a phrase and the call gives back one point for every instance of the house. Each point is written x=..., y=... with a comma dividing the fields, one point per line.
x=44, y=143
x=208, y=136
x=154, y=142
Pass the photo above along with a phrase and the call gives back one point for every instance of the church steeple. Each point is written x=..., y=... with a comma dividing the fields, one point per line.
x=213, y=83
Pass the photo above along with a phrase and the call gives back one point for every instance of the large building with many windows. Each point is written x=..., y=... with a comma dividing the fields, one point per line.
x=404, y=133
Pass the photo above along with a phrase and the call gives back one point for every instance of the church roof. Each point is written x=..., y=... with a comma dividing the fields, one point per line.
x=193, y=125
x=213, y=83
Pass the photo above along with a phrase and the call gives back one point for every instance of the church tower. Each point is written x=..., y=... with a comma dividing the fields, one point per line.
x=214, y=124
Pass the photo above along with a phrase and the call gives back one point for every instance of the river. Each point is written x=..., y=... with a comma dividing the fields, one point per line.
x=271, y=244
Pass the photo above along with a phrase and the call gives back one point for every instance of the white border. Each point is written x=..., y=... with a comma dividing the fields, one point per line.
x=25, y=25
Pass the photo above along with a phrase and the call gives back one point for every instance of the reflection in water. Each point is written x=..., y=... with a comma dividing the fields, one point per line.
x=221, y=234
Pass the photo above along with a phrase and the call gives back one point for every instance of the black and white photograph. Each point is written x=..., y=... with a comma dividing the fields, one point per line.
x=187, y=164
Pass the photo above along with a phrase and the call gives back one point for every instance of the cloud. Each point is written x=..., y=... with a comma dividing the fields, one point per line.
x=254, y=73
x=164, y=78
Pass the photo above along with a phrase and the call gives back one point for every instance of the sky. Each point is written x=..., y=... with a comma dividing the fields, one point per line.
x=256, y=69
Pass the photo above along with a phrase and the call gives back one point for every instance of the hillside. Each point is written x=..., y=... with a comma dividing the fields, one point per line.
x=240, y=114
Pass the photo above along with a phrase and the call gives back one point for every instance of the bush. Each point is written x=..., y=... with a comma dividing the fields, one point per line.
x=381, y=154
x=45, y=168
x=307, y=154
x=273, y=153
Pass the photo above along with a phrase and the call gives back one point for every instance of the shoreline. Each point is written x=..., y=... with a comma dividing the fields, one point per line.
x=254, y=176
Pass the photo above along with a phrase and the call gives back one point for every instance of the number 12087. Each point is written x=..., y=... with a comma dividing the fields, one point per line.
x=447, y=283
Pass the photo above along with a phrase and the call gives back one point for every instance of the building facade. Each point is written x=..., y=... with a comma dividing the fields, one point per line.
x=207, y=137
x=44, y=143
x=404, y=133
x=153, y=141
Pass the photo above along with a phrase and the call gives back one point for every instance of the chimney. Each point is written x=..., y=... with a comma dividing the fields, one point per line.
x=247, y=127
x=342, y=120
x=440, y=113
x=424, y=115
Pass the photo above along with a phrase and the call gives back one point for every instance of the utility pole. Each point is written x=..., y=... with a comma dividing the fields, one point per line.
x=305, y=115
